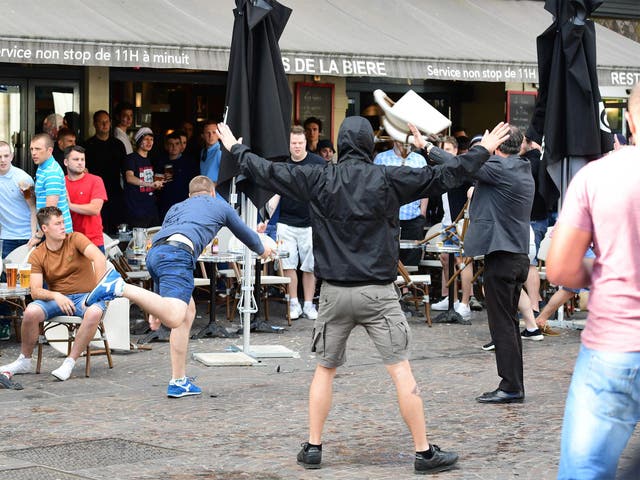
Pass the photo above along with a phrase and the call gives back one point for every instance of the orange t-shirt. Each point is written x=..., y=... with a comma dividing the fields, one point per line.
x=66, y=270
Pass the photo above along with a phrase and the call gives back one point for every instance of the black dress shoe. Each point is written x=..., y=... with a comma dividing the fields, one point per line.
x=500, y=396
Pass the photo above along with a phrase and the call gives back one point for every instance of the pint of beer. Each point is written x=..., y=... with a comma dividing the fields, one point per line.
x=12, y=275
x=25, y=275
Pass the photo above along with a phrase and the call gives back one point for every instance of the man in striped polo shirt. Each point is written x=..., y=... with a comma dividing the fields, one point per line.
x=50, y=187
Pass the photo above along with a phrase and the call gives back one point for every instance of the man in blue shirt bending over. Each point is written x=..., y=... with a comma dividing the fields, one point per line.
x=187, y=228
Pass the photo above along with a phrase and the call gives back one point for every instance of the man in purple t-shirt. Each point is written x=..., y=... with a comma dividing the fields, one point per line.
x=603, y=403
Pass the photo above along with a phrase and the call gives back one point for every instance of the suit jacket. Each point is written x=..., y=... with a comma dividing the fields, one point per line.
x=500, y=207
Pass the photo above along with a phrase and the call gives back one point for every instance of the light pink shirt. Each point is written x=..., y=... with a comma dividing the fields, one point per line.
x=604, y=199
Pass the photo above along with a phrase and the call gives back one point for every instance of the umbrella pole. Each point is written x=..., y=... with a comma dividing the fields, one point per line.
x=249, y=306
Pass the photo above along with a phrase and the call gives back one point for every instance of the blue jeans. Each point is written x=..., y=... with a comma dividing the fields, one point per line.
x=539, y=230
x=602, y=410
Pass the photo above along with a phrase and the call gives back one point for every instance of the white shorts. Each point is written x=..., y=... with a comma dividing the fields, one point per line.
x=297, y=241
x=532, y=247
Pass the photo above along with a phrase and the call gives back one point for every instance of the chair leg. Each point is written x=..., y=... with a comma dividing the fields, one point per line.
x=40, y=341
x=266, y=307
x=87, y=363
x=427, y=307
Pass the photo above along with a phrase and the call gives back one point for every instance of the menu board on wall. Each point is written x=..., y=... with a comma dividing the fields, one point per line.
x=520, y=106
x=315, y=100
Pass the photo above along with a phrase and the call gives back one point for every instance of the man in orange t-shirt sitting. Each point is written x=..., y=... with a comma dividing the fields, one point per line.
x=71, y=266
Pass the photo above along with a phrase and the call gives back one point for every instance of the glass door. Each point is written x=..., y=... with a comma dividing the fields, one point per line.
x=13, y=117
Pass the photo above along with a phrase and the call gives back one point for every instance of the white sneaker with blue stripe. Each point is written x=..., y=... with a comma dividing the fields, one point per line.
x=109, y=287
x=183, y=387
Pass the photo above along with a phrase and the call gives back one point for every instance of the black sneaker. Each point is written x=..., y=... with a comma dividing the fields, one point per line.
x=489, y=347
x=310, y=456
x=439, y=462
x=536, y=335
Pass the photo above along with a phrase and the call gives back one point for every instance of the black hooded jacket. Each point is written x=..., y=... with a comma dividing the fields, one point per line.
x=354, y=203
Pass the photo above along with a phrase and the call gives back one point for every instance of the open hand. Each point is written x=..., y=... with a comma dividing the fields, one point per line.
x=226, y=136
x=495, y=138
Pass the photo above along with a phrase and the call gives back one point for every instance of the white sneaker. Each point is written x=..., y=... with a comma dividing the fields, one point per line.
x=63, y=372
x=443, y=304
x=463, y=310
x=18, y=366
x=295, y=311
x=310, y=312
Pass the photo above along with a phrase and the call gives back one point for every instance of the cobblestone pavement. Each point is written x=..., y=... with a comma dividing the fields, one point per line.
x=250, y=421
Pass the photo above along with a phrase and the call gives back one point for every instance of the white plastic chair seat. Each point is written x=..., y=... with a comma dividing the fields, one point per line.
x=140, y=275
x=227, y=272
x=424, y=279
x=274, y=280
x=431, y=263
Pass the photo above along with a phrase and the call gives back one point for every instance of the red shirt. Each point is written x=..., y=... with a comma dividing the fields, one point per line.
x=82, y=191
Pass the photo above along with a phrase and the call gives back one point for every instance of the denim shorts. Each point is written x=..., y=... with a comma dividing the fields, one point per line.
x=52, y=309
x=374, y=307
x=171, y=269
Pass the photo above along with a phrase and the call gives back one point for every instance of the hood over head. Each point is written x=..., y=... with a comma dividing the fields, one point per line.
x=355, y=140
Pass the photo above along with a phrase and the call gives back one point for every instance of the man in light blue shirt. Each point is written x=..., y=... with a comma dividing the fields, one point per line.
x=412, y=215
x=211, y=153
x=51, y=190
x=17, y=216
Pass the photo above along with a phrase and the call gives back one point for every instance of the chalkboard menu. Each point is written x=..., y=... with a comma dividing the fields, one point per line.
x=520, y=107
x=316, y=100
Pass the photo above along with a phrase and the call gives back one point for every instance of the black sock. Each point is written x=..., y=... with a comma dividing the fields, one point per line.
x=427, y=453
x=319, y=447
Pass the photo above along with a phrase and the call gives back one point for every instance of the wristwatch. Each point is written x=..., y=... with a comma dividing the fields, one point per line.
x=427, y=147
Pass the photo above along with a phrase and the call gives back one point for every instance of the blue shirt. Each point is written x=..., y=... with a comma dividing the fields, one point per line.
x=408, y=211
x=200, y=217
x=50, y=181
x=15, y=214
x=210, y=161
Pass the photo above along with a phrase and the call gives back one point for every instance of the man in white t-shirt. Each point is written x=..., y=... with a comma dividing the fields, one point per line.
x=603, y=403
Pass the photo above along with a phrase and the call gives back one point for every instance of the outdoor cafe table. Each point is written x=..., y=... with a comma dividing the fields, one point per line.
x=16, y=297
x=450, y=316
x=212, y=328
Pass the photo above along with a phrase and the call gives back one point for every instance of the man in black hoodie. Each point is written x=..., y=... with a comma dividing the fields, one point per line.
x=354, y=208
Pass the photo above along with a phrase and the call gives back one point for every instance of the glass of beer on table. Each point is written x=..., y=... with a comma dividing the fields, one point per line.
x=12, y=275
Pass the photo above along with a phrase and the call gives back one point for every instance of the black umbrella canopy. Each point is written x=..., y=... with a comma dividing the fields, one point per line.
x=569, y=119
x=258, y=95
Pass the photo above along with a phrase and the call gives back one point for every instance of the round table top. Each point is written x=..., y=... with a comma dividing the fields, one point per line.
x=222, y=257
x=431, y=248
x=6, y=292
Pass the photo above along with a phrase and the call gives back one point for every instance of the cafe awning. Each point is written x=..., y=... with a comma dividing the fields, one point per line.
x=463, y=40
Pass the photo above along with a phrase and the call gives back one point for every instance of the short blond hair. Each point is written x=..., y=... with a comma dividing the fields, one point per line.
x=201, y=183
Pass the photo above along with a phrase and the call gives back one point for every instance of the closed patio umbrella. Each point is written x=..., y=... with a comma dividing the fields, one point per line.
x=569, y=118
x=259, y=110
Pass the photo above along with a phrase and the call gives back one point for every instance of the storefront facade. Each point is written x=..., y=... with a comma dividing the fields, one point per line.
x=170, y=62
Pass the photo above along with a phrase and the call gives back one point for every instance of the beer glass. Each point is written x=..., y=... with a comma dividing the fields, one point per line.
x=24, y=272
x=12, y=275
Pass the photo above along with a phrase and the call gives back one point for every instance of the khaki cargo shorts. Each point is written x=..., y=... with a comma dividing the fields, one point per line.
x=375, y=307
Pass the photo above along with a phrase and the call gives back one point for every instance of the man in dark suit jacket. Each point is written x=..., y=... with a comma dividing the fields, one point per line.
x=499, y=230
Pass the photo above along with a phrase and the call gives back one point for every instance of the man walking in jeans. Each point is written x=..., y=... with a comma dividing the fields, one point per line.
x=354, y=213
x=603, y=403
